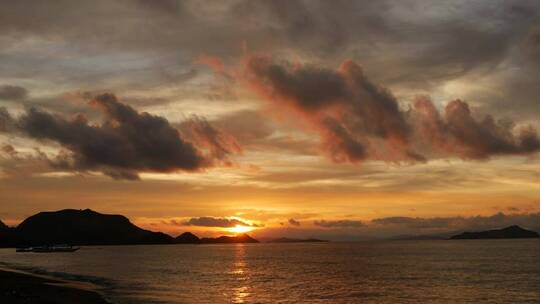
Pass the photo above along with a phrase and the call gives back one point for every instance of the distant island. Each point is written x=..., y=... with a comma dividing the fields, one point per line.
x=87, y=227
x=290, y=240
x=512, y=232
x=241, y=238
x=190, y=238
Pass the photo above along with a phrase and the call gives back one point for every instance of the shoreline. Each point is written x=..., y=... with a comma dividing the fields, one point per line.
x=22, y=287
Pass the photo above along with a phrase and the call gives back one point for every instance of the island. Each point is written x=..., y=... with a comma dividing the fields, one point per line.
x=291, y=240
x=242, y=238
x=187, y=238
x=3, y=227
x=511, y=232
x=88, y=227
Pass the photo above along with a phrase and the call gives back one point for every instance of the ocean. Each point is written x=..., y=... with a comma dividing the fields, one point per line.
x=389, y=272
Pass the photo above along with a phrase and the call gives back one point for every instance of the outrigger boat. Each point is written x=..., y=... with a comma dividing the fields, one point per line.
x=54, y=248
x=24, y=249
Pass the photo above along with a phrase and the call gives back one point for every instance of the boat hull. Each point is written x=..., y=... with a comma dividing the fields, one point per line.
x=48, y=249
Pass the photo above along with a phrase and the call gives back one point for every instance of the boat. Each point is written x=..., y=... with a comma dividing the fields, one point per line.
x=53, y=248
x=24, y=249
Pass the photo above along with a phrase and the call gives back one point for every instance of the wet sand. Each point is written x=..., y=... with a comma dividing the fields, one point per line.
x=19, y=288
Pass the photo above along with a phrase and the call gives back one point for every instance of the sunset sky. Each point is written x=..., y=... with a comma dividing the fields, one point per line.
x=334, y=119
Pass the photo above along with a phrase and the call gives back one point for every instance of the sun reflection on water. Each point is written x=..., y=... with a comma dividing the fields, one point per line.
x=241, y=274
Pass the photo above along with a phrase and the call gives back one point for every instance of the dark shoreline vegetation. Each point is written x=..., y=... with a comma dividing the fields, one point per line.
x=19, y=288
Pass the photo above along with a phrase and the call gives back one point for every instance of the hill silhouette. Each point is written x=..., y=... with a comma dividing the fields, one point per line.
x=84, y=227
x=511, y=232
x=242, y=238
x=3, y=227
x=187, y=238
x=87, y=227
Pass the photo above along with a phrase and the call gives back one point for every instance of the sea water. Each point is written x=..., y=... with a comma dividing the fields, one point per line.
x=461, y=271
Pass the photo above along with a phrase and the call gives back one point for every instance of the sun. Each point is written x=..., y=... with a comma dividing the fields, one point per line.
x=240, y=229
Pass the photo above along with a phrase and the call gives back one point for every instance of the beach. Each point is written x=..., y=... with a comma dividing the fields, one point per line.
x=17, y=287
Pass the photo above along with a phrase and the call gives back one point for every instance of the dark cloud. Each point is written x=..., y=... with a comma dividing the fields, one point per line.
x=415, y=44
x=460, y=133
x=343, y=106
x=9, y=92
x=125, y=143
x=339, y=224
x=531, y=44
x=294, y=222
x=448, y=36
x=6, y=121
x=358, y=119
x=406, y=44
x=208, y=221
x=218, y=143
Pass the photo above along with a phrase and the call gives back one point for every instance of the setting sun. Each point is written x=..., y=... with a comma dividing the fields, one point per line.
x=240, y=229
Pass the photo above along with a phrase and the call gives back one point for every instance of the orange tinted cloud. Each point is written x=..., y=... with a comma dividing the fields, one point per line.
x=213, y=62
x=357, y=119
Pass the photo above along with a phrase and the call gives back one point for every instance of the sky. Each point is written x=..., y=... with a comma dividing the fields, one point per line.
x=334, y=119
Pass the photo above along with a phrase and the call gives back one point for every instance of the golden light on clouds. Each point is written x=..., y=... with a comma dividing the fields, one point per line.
x=241, y=229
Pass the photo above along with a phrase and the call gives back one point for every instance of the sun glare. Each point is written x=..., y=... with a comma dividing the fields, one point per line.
x=240, y=229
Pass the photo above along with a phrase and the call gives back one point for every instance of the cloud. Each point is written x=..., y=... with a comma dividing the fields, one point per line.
x=125, y=143
x=218, y=143
x=294, y=222
x=9, y=92
x=347, y=110
x=403, y=44
x=414, y=222
x=531, y=44
x=448, y=38
x=339, y=224
x=7, y=123
x=15, y=163
x=248, y=126
x=498, y=220
x=207, y=221
x=460, y=133
x=8, y=149
x=357, y=119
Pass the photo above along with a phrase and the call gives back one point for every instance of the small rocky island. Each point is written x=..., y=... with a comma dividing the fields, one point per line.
x=511, y=232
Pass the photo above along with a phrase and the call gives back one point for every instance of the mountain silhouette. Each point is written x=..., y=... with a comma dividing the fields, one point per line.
x=187, y=238
x=84, y=227
x=242, y=238
x=87, y=227
x=512, y=232
x=4, y=232
x=3, y=227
